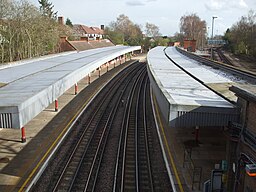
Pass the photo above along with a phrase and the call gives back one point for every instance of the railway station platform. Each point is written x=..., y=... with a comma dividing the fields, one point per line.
x=192, y=116
x=192, y=160
x=32, y=86
x=20, y=161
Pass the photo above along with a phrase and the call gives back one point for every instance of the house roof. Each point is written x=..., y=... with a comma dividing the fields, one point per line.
x=85, y=45
x=97, y=30
x=88, y=30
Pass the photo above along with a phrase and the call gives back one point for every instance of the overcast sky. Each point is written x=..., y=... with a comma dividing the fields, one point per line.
x=163, y=13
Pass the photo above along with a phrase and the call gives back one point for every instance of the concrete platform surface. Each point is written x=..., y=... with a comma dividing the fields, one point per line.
x=188, y=157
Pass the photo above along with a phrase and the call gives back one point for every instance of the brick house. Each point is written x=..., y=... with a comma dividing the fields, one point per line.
x=88, y=33
x=84, y=38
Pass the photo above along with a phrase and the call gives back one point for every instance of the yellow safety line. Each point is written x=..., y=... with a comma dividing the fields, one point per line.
x=168, y=149
x=54, y=143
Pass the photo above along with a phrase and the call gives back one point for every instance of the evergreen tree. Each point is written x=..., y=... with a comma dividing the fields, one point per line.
x=46, y=9
x=69, y=23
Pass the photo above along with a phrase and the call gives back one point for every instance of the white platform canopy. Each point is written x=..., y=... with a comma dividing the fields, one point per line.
x=183, y=100
x=31, y=86
x=200, y=71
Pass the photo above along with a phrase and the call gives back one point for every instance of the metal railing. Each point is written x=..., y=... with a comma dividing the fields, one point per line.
x=195, y=172
x=5, y=120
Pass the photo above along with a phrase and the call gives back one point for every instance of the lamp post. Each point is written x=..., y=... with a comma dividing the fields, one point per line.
x=203, y=31
x=212, y=36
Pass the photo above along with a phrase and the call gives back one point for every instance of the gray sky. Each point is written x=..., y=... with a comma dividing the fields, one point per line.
x=163, y=13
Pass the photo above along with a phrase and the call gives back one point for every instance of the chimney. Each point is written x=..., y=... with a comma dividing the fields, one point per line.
x=61, y=20
x=63, y=38
x=102, y=27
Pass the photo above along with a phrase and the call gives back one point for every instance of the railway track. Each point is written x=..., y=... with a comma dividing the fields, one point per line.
x=129, y=162
x=223, y=58
x=136, y=167
x=84, y=160
x=111, y=146
x=242, y=74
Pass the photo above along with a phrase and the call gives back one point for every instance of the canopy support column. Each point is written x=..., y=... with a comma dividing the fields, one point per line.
x=23, y=136
x=56, y=105
x=89, y=78
x=76, y=88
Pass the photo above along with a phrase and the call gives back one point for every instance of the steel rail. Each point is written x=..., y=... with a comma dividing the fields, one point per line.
x=119, y=150
x=102, y=144
x=128, y=128
x=223, y=58
x=58, y=143
x=80, y=140
x=146, y=134
x=98, y=142
x=113, y=114
x=142, y=154
x=77, y=146
x=121, y=143
x=137, y=109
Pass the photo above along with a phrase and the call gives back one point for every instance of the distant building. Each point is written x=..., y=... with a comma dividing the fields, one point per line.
x=190, y=45
x=88, y=33
x=81, y=45
x=84, y=38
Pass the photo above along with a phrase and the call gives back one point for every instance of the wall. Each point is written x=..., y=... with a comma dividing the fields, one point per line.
x=251, y=123
x=248, y=120
x=190, y=45
x=160, y=97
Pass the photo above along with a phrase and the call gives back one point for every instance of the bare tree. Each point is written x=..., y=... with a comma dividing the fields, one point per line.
x=242, y=35
x=5, y=9
x=125, y=29
x=192, y=27
x=152, y=30
x=25, y=32
x=179, y=37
